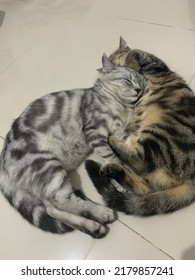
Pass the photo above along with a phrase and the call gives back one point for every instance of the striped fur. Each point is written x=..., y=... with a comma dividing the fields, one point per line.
x=54, y=135
x=160, y=151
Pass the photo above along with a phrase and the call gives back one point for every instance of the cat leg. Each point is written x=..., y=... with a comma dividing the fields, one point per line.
x=129, y=180
x=103, y=149
x=75, y=202
x=93, y=228
x=100, y=145
x=105, y=152
x=132, y=154
x=71, y=207
x=132, y=158
x=142, y=157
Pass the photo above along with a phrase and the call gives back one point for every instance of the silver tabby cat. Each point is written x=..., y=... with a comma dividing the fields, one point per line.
x=54, y=135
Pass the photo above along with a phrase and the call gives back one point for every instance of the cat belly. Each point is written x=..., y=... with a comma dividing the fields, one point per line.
x=76, y=154
x=71, y=150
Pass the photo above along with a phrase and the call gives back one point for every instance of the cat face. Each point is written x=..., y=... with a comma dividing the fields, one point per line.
x=125, y=82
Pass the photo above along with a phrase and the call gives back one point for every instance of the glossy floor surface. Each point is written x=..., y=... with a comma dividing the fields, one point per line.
x=49, y=45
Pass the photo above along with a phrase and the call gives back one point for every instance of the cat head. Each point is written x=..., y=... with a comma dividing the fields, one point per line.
x=125, y=56
x=126, y=83
x=141, y=61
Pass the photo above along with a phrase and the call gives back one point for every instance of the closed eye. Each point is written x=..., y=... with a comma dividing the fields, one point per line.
x=128, y=81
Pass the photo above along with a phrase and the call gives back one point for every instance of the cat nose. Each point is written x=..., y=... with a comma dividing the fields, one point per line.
x=137, y=89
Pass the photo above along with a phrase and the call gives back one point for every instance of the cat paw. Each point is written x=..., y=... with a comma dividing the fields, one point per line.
x=113, y=140
x=112, y=170
x=110, y=216
x=104, y=215
x=98, y=231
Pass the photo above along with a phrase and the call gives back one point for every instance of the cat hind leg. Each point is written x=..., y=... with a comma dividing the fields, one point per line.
x=71, y=207
x=91, y=227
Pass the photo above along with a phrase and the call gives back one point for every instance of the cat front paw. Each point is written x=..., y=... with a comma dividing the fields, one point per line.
x=113, y=140
x=121, y=134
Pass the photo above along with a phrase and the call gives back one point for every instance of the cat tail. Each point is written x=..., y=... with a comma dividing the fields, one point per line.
x=34, y=211
x=160, y=202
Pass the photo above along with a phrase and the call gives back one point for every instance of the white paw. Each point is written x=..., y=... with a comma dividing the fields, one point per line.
x=110, y=216
x=104, y=215
x=97, y=230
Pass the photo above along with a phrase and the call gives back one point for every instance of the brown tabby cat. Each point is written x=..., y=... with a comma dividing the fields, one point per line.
x=160, y=150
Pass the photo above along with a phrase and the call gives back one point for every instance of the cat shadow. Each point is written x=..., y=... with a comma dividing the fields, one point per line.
x=189, y=254
x=2, y=16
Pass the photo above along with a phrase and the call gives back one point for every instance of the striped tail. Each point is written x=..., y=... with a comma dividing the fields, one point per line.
x=159, y=202
x=34, y=211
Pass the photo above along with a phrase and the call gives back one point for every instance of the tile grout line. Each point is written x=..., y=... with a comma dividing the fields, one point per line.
x=153, y=23
x=43, y=34
x=21, y=55
x=146, y=240
x=11, y=64
x=191, y=79
x=90, y=250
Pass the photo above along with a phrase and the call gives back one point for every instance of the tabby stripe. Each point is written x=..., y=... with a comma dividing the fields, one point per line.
x=185, y=146
x=97, y=137
x=22, y=172
x=25, y=210
x=45, y=222
x=96, y=126
x=148, y=158
x=169, y=130
x=156, y=91
x=100, y=144
x=45, y=177
x=178, y=86
x=167, y=144
x=181, y=121
x=36, y=109
x=108, y=155
x=40, y=162
x=20, y=153
x=54, y=117
x=18, y=133
x=60, y=188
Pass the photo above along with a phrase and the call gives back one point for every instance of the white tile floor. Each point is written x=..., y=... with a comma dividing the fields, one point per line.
x=51, y=45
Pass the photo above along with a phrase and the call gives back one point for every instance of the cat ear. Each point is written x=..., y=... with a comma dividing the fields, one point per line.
x=107, y=64
x=123, y=44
